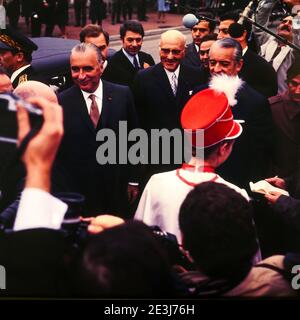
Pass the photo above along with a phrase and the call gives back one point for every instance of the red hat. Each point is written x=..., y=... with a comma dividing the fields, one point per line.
x=210, y=111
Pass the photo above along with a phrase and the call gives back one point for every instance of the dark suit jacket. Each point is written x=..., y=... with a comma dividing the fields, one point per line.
x=259, y=74
x=156, y=104
x=33, y=260
x=104, y=186
x=120, y=70
x=250, y=157
x=286, y=117
x=191, y=58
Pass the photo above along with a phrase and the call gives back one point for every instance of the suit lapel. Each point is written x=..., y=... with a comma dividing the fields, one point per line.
x=163, y=82
x=107, y=101
x=183, y=86
x=125, y=62
x=81, y=108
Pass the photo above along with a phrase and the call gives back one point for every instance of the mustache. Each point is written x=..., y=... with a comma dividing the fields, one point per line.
x=287, y=28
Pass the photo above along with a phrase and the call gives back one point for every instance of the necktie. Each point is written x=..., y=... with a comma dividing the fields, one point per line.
x=174, y=83
x=135, y=63
x=275, y=54
x=94, y=112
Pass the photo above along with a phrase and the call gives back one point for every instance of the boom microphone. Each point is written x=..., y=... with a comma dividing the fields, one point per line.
x=237, y=29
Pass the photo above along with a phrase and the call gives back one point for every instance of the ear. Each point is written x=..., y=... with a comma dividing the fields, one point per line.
x=225, y=147
x=19, y=56
x=239, y=65
x=244, y=36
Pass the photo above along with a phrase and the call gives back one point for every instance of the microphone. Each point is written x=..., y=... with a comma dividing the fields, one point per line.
x=189, y=20
x=237, y=29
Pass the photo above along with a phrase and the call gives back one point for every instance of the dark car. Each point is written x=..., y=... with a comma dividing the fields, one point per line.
x=52, y=59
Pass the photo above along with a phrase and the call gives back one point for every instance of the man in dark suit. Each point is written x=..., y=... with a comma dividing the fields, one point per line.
x=256, y=71
x=199, y=30
x=162, y=90
x=16, y=55
x=89, y=106
x=250, y=158
x=126, y=62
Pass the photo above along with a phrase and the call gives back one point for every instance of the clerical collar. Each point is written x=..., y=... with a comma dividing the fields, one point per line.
x=187, y=166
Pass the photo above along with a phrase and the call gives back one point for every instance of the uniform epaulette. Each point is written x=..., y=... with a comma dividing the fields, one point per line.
x=275, y=99
x=23, y=78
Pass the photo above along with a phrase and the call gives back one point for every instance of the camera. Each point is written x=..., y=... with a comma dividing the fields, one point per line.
x=75, y=230
x=169, y=243
x=8, y=119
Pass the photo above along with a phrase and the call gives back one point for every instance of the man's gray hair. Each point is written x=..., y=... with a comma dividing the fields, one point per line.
x=228, y=43
x=83, y=47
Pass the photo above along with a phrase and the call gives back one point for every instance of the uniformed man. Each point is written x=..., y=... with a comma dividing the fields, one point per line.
x=16, y=56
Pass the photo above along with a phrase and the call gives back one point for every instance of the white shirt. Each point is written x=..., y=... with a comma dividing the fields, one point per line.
x=130, y=58
x=245, y=50
x=164, y=194
x=196, y=47
x=170, y=74
x=39, y=209
x=99, y=97
x=17, y=72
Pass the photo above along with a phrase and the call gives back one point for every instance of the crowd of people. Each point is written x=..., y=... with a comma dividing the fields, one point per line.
x=56, y=12
x=78, y=220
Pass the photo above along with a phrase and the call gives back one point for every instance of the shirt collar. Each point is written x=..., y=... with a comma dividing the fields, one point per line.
x=130, y=58
x=17, y=72
x=196, y=47
x=245, y=50
x=97, y=92
x=169, y=73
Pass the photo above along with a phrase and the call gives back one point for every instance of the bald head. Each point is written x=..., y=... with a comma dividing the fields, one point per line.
x=30, y=89
x=172, y=49
x=173, y=36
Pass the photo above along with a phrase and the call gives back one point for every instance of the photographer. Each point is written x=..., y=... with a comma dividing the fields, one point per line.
x=39, y=216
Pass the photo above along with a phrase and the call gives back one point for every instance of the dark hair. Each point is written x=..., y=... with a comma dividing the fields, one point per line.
x=211, y=24
x=230, y=15
x=218, y=230
x=235, y=15
x=294, y=70
x=27, y=54
x=209, y=37
x=124, y=261
x=209, y=151
x=133, y=26
x=93, y=30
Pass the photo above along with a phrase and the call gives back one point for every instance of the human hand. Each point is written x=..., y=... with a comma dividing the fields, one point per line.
x=277, y=182
x=41, y=150
x=272, y=196
x=102, y=222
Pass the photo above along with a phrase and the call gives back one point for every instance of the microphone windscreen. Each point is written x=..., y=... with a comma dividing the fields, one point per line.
x=189, y=20
x=236, y=30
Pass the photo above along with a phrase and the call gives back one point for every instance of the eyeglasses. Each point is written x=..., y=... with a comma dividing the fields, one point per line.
x=203, y=52
x=173, y=51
